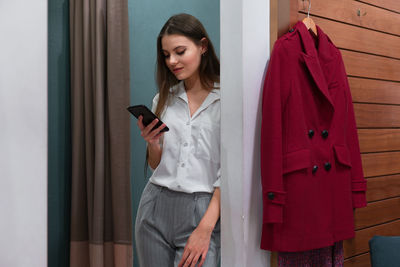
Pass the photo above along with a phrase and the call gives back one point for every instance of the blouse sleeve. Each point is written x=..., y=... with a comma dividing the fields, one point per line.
x=218, y=181
x=155, y=102
x=153, y=109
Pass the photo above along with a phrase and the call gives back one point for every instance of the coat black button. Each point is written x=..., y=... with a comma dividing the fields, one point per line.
x=310, y=133
x=291, y=30
x=325, y=134
x=327, y=166
x=271, y=195
x=314, y=169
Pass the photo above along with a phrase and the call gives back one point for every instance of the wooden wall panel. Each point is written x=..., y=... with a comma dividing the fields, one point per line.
x=371, y=17
x=383, y=187
x=377, y=116
x=359, y=244
x=372, y=66
x=283, y=17
x=360, y=39
x=374, y=91
x=377, y=164
x=379, y=140
x=393, y=5
x=362, y=260
x=384, y=211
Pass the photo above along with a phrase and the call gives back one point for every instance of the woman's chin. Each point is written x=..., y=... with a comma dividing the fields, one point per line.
x=180, y=77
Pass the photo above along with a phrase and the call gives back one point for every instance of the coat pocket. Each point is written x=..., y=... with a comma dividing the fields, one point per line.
x=342, y=155
x=297, y=160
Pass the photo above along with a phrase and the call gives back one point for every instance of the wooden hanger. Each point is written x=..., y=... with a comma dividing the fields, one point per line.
x=309, y=22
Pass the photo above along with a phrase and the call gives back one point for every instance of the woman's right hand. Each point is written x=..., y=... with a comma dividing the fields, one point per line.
x=152, y=137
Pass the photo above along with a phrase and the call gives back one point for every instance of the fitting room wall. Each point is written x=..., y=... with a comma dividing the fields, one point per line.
x=244, y=54
x=146, y=19
x=23, y=134
x=59, y=131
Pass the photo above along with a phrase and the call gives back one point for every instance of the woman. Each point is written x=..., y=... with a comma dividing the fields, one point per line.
x=178, y=217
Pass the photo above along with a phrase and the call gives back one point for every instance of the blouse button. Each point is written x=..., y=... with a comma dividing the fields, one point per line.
x=183, y=165
x=185, y=144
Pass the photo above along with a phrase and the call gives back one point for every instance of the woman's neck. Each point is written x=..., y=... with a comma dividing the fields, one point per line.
x=194, y=84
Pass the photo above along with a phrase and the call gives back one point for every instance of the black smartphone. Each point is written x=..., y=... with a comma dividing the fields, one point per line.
x=148, y=116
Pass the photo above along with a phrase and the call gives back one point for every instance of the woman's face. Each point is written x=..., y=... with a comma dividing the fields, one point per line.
x=182, y=56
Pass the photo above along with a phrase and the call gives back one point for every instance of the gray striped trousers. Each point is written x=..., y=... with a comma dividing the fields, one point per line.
x=164, y=222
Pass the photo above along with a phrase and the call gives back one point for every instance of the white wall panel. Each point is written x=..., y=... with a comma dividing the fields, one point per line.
x=23, y=133
x=244, y=55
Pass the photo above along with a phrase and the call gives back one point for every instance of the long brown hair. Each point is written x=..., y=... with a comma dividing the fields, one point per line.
x=190, y=27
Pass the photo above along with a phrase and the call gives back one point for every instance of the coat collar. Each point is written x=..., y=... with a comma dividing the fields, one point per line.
x=315, y=60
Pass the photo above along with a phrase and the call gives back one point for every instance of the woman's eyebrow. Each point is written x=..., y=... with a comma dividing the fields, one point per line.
x=180, y=46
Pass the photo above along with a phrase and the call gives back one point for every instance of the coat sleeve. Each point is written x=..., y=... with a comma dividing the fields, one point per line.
x=277, y=81
x=358, y=183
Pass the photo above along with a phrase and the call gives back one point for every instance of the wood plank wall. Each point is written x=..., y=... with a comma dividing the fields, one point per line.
x=367, y=32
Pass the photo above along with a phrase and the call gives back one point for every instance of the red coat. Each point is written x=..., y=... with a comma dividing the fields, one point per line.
x=311, y=169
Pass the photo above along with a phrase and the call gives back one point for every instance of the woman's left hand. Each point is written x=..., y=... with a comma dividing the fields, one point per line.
x=196, y=247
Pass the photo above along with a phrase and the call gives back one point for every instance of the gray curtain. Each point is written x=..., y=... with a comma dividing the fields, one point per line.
x=101, y=223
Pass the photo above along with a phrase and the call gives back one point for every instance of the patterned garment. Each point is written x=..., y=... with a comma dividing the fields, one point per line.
x=331, y=256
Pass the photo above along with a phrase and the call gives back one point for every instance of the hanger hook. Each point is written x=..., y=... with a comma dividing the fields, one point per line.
x=309, y=7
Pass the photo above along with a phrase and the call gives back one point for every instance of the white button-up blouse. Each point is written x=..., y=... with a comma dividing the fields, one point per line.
x=190, y=160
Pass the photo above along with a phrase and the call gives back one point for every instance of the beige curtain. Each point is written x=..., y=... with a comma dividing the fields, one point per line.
x=101, y=223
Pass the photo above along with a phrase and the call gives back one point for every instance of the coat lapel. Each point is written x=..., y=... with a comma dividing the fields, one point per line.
x=312, y=61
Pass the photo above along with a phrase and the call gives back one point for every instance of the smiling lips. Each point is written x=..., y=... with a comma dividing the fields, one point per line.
x=176, y=70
